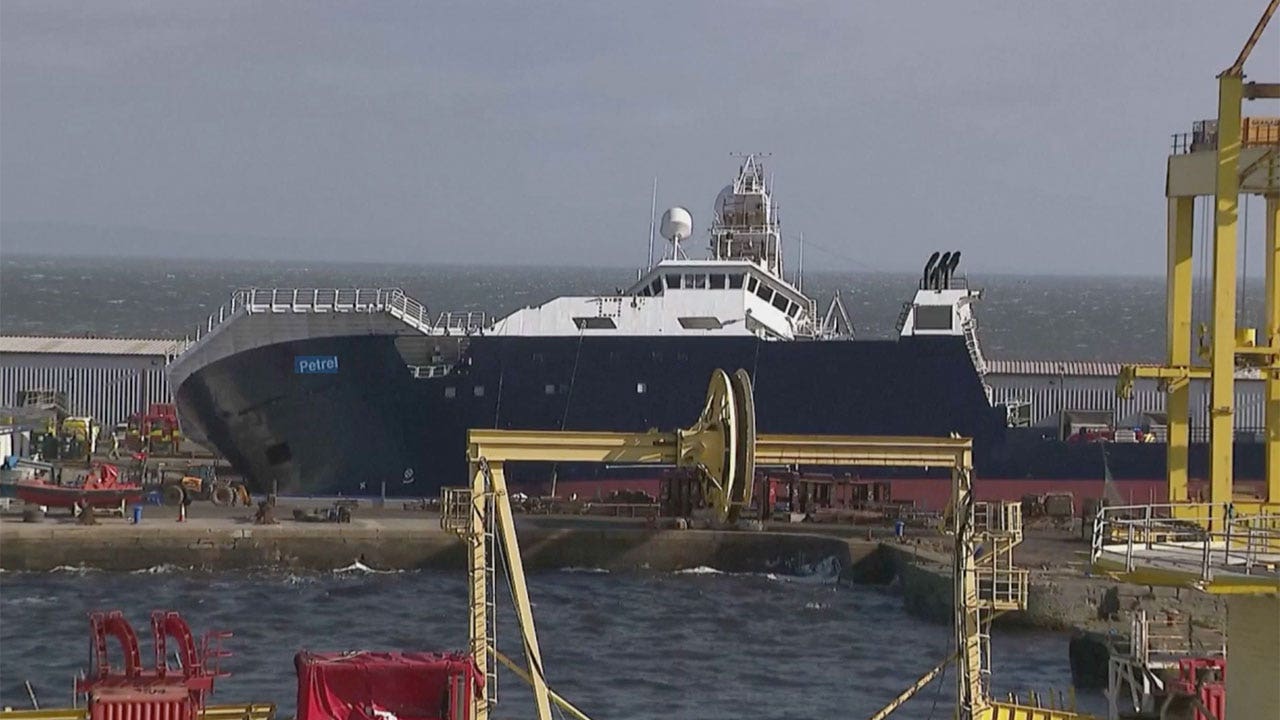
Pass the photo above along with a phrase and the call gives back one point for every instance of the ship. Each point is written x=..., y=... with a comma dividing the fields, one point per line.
x=366, y=392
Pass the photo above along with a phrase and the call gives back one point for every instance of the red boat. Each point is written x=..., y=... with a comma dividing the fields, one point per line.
x=102, y=488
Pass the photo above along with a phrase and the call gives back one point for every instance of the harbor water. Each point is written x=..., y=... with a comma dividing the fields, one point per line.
x=687, y=644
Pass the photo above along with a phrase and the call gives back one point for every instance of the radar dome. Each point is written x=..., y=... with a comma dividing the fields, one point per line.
x=677, y=224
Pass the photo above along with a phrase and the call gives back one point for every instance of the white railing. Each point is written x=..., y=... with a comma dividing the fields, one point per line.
x=422, y=372
x=391, y=301
x=465, y=322
x=1177, y=537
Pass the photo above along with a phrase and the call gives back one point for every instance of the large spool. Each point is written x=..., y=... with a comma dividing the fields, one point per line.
x=721, y=444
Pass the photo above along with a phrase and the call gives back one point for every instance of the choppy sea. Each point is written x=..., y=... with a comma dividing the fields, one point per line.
x=696, y=644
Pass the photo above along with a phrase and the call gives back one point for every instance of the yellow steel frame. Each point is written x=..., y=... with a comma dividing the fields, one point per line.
x=1226, y=344
x=721, y=442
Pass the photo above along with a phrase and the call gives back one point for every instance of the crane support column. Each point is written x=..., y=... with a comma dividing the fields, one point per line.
x=1272, y=370
x=1227, y=191
x=520, y=592
x=477, y=587
x=1178, y=336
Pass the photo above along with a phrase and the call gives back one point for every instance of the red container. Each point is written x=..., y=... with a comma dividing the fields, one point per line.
x=156, y=703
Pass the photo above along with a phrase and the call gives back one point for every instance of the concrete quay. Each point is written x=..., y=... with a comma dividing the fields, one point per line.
x=407, y=541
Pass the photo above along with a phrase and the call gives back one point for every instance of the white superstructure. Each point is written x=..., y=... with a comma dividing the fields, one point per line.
x=943, y=306
x=738, y=290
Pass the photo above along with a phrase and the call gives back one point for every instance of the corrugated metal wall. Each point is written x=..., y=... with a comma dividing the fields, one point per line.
x=109, y=388
x=1050, y=395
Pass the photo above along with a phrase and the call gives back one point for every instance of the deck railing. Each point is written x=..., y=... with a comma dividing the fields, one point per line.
x=392, y=301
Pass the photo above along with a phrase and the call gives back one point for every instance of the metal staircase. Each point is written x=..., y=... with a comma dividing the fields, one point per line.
x=970, y=329
x=997, y=530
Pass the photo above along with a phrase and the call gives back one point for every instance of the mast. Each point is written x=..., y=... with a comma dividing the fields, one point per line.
x=653, y=210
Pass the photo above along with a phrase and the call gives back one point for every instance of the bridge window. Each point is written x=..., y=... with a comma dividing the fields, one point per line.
x=549, y=389
x=641, y=388
x=700, y=323
x=699, y=282
x=478, y=391
x=765, y=293
x=780, y=302
x=673, y=281
x=717, y=282
x=451, y=392
x=933, y=317
x=735, y=281
x=595, y=323
x=656, y=287
x=752, y=284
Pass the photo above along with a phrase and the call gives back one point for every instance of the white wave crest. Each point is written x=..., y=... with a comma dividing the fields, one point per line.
x=700, y=570
x=359, y=567
x=585, y=570
x=164, y=569
x=73, y=569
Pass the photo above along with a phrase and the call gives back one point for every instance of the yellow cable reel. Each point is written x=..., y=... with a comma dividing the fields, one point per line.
x=722, y=443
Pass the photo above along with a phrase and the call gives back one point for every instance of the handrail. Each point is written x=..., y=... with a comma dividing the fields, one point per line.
x=1176, y=534
x=393, y=301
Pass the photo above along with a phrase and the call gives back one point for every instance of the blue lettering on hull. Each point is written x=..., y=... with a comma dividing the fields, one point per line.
x=315, y=364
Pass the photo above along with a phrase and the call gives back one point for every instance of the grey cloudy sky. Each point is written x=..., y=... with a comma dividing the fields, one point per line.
x=1031, y=135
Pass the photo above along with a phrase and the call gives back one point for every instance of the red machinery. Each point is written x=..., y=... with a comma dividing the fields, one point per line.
x=378, y=685
x=156, y=430
x=132, y=691
x=1206, y=679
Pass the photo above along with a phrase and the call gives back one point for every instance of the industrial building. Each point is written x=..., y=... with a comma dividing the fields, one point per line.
x=108, y=379
x=1045, y=393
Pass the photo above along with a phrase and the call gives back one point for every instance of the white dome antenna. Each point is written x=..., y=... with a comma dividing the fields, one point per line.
x=677, y=225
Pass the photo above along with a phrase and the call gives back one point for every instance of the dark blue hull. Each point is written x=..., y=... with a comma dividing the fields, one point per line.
x=373, y=423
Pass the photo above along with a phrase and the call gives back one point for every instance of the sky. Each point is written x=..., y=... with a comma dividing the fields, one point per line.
x=1030, y=135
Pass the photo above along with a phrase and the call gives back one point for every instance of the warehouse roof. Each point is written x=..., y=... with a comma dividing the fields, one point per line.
x=88, y=345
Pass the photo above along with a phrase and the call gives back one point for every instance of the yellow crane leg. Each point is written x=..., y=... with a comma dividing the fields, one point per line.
x=1178, y=339
x=910, y=692
x=519, y=591
x=1222, y=392
x=476, y=587
x=1272, y=384
x=560, y=702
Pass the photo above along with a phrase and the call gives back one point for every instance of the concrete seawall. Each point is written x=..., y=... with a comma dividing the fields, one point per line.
x=407, y=544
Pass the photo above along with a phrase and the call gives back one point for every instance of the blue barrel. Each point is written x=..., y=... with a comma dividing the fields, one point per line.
x=899, y=528
x=137, y=514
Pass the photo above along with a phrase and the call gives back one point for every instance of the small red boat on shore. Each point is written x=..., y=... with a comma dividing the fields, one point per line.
x=101, y=489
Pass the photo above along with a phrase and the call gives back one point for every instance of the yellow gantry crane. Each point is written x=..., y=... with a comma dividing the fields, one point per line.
x=723, y=447
x=1234, y=155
